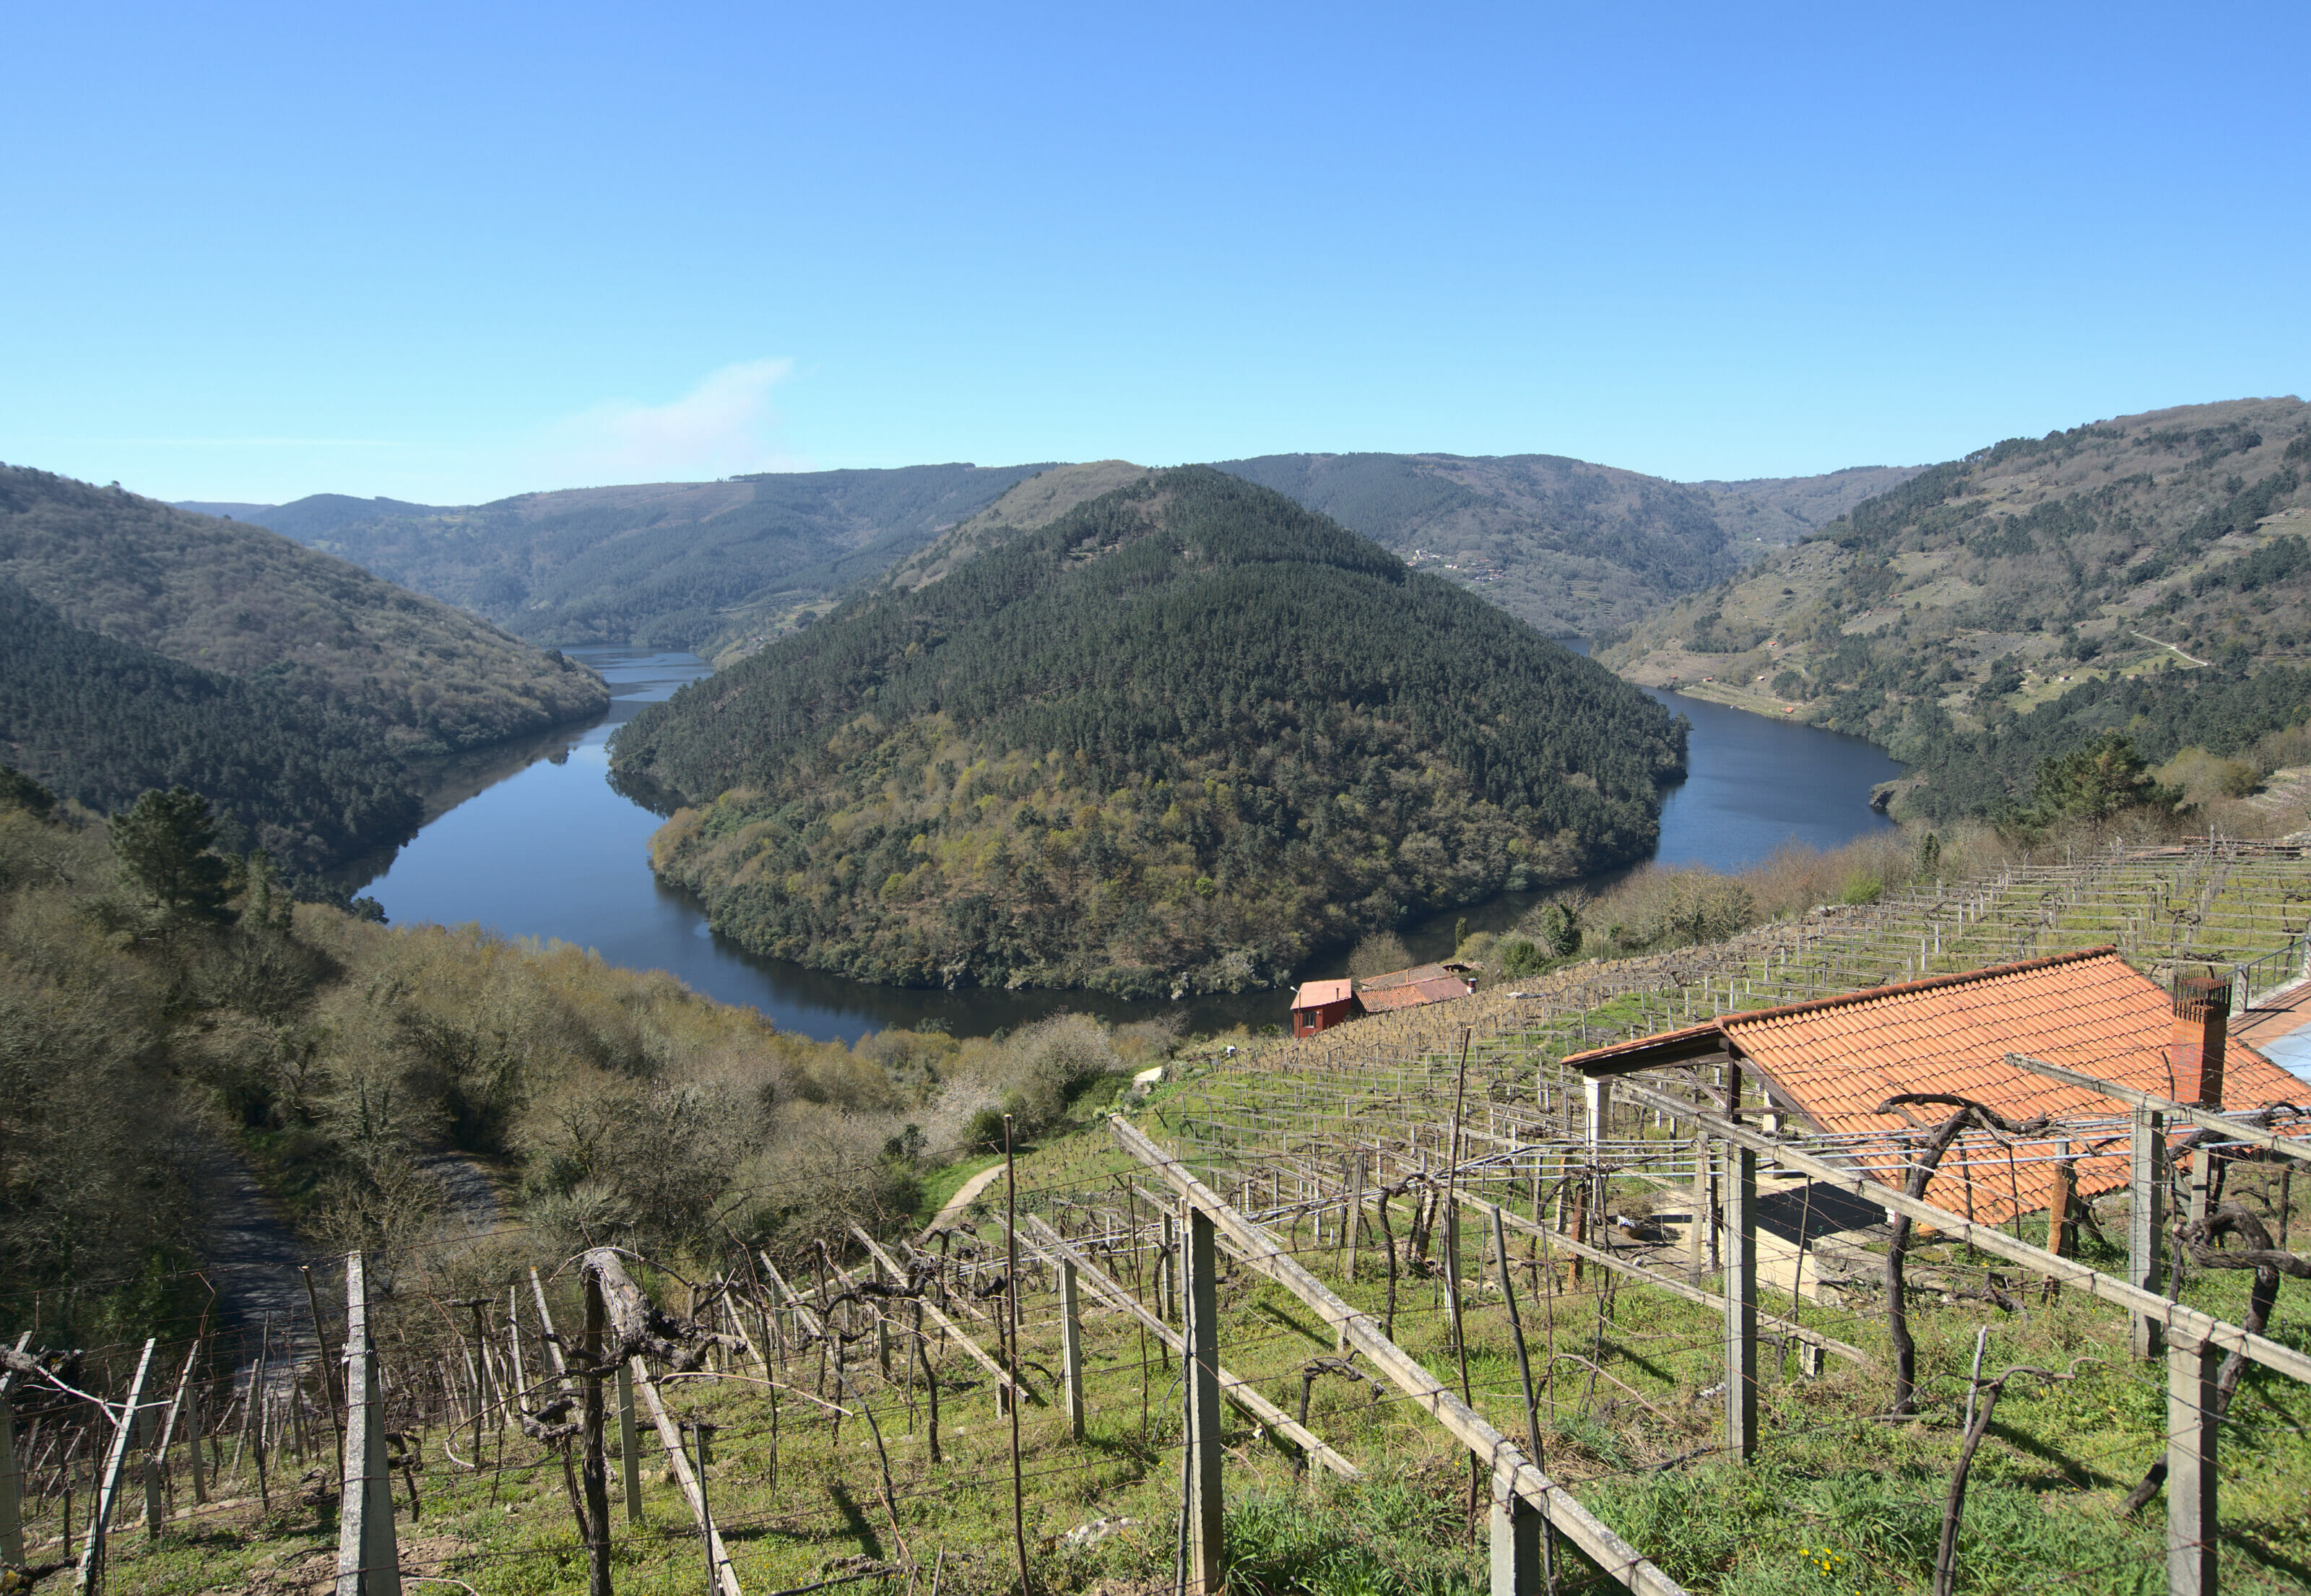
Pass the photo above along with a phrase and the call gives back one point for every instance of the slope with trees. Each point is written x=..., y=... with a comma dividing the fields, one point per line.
x=2146, y=575
x=100, y=721
x=247, y=603
x=143, y=646
x=1177, y=739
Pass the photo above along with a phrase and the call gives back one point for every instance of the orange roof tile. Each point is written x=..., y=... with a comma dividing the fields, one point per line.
x=1315, y=994
x=1836, y=1060
x=1398, y=978
x=1438, y=989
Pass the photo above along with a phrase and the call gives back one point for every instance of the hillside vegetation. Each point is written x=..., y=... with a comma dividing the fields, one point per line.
x=1571, y=547
x=143, y=1040
x=2147, y=576
x=247, y=603
x=1176, y=740
x=100, y=721
x=146, y=646
x=702, y=566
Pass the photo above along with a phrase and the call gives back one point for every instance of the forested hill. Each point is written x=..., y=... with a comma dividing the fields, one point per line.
x=100, y=720
x=700, y=565
x=246, y=602
x=2129, y=575
x=148, y=646
x=1572, y=547
x=1179, y=738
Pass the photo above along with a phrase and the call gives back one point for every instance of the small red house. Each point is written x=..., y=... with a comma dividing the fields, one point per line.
x=1320, y=1004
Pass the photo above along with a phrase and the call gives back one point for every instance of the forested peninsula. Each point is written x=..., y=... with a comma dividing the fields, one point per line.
x=1176, y=740
x=145, y=645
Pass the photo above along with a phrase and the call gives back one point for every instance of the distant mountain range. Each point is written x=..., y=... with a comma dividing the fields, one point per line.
x=723, y=567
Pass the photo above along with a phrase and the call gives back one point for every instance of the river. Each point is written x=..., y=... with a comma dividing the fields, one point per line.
x=533, y=841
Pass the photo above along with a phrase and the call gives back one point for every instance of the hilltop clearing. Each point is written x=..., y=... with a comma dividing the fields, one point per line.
x=1176, y=740
x=1992, y=612
x=700, y=565
x=1571, y=547
x=1034, y=503
x=148, y=646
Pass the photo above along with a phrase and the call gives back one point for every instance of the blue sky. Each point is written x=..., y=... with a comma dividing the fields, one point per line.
x=451, y=253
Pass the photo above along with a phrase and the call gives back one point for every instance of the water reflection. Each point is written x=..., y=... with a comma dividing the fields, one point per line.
x=532, y=841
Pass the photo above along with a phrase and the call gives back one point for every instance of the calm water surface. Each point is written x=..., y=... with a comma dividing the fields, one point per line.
x=533, y=841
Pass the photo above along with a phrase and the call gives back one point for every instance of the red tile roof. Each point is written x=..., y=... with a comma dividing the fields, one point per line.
x=1437, y=989
x=1316, y=994
x=1397, y=978
x=1836, y=1060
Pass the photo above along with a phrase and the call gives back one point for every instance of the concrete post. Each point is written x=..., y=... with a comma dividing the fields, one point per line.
x=1071, y=1348
x=368, y=1564
x=1516, y=1532
x=630, y=1447
x=2146, y=1156
x=1740, y=1289
x=11, y=1522
x=2191, y=1519
x=1206, y=1567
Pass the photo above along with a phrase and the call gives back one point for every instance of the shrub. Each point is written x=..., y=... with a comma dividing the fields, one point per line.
x=1377, y=954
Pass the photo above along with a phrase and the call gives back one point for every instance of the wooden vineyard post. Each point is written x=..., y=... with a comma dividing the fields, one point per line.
x=2192, y=1366
x=12, y=1485
x=1740, y=1287
x=2146, y=1152
x=630, y=1447
x=369, y=1562
x=90, y=1575
x=1702, y=1233
x=1071, y=1348
x=1207, y=1567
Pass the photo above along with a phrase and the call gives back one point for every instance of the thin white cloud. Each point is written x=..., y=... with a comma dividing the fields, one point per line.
x=724, y=426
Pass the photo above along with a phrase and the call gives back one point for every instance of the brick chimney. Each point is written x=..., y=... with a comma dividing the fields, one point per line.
x=2202, y=1017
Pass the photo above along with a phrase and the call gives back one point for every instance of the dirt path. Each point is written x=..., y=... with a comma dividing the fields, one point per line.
x=253, y=1255
x=966, y=1196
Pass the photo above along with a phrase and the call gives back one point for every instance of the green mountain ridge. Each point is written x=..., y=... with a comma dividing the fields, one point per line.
x=1177, y=739
x=2147, y=574
x=309, y=693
